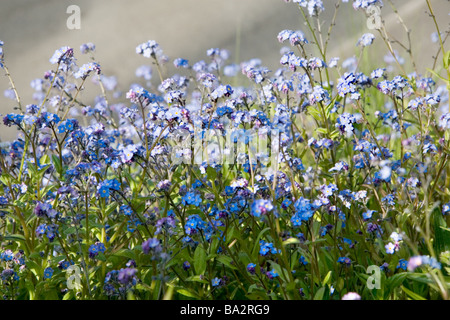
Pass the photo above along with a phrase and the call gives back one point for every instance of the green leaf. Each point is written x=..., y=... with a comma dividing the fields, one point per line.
x=214, y=245
x=56, y=163
x=127, y=253
x=5, y=178
x=442, y=235
x=131, y=180
x=188, y=293
x=437, y=75
x=31, y=290
x=290, y=241
x=330, y=106
x=212, y=173
x=69, y=231
x=327, y=278
x=232, y=234
x=260, y=235
x=14, y=237
x=446, y=59
x=51, y=294
x=58, y=258
x=197, y=279
x=44, y=159
x=200, y=260
x=396, y=280
x=334, y=134
x=319, y=294
x=321, y=130
x=34, y=267
x=244, y=258
x=34, y=255
x=420, y=277
x=412, y=295
x=226, y=260
x=111, y=208
x=281, y=271
x=314, y=113
x=144, y=286
x=307, y=242
x=233, y=294
x=256, y=293
x=101, y=257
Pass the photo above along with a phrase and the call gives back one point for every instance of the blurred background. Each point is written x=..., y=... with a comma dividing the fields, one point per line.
x=33, y=29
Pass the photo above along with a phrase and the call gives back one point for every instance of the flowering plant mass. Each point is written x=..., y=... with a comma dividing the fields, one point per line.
x=320, y=180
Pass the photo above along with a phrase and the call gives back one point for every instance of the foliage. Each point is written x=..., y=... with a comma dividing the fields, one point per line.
x=167, y=194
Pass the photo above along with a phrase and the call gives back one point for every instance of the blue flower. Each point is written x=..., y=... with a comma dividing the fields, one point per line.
x=286, y=203
x=149, y=49
x=62, y=55
x=272, y=274
x=197, y=184
x=86, y=69
x=318, y=94
x=191, y=198
x=181, y=63
x=103, y=191
x=126, y=210
x=9, y=274
x=389, y=199
x=62, y=128
x=345, y=123
x=402, y=264
x=113, y=184
x=12, y=119
x=126, y=275
x=3, y=200
x=385, y=86
x=48, y=273
x=365, y=40
x=251, y=268
x=304, y=209
x=186, y=265
x=417, y=261
x=261, y=207
x=95, y=249
x=87, y=47
x=303, y=261
x=216, y=282
x=64, y=264
x=390, y=248
x=296, y=220
x=50, y=118
x=377, y=73
x=345, y=260
x=266, y=248
x=152, y=245
x=418, y=102
x=145, y=72
x=194, y=223
x=7, y=255
x=295, y=37
x=446, y=208
x=368, y=214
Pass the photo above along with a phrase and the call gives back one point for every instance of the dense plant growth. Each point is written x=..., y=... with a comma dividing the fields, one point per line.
x=226, y=181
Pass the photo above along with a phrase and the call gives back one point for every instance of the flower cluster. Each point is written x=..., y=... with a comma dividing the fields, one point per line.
x=229, y=180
